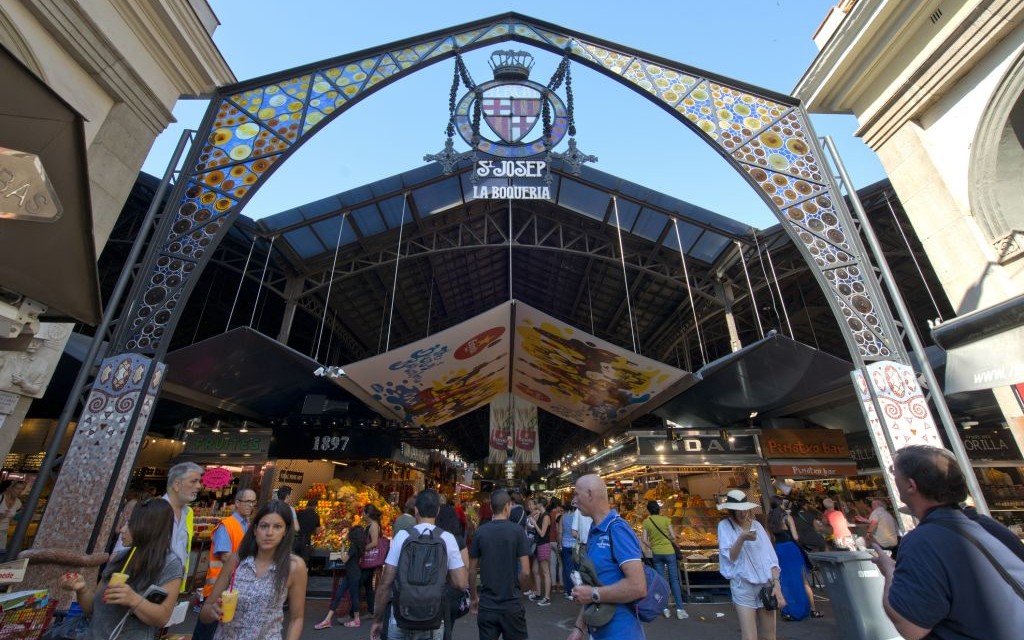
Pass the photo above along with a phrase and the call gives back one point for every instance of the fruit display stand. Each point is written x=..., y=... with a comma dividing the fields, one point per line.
x=340, y=505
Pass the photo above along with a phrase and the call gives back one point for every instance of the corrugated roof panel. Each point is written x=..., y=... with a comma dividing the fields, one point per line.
x=394, y=211
x=583, y=199
x=368, y=220
x=305, y=243
x=438, y=196
x=650, y=225
x=709, y=247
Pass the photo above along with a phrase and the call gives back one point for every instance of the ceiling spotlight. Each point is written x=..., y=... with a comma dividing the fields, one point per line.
x=245, y=427
x=216, y=427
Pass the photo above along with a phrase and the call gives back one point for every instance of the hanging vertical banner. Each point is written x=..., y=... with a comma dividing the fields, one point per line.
x=498, y=440
x=527, y=448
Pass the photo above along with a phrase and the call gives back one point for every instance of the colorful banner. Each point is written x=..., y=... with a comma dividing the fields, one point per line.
x=581, y=378
x=527, y=446
x=443, y=376
x=558, y=368
x=500, y=429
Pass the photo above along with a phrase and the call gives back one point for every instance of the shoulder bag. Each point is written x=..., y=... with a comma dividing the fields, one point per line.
x=1016, y=586
x=375, y=557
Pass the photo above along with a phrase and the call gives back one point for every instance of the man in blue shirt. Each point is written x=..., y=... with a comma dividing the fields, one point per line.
x=945, y=582
x=621, y=577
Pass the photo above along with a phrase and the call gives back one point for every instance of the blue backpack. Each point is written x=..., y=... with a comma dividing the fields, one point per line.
x=649, y=607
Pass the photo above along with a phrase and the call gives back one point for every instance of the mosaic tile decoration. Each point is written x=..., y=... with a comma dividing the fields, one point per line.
x=248, y=131
x=74, y=505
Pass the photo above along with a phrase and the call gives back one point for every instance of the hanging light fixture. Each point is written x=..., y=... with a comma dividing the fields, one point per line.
x=245, y=427
x=216, y=427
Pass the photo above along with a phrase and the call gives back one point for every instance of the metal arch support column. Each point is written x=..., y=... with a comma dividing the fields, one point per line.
x=292, y=290
x=939, y=400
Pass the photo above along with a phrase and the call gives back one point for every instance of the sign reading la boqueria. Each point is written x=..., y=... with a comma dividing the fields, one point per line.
x=511, y=180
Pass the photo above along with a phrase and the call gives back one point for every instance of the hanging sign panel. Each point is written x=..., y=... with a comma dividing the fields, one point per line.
x=443, y=376
x=804, y=443
x=579, y=377
x=332, y=444
x=697, y=445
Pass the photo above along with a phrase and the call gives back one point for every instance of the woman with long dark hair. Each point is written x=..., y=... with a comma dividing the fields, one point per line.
x=792, y=563
x=147, y=561
x=264, y=573
x=371, y=520
x=350, y=555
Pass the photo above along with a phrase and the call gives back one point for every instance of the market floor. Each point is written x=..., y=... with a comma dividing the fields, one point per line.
x=712, y=621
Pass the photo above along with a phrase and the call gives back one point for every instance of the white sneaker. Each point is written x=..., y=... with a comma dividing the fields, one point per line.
x=681, y=614
x=528, y=594
x=667, y=613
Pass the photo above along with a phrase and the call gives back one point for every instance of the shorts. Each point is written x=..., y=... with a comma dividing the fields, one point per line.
x=544, y=551
x=509, y=625
x=745, y=594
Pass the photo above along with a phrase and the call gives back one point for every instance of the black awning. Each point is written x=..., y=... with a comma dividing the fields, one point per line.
x=776, y=376
x=246, y=373
x=985, y=348
x=51, y=262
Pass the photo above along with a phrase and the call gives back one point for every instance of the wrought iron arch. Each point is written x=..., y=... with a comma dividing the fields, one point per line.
x=252, y=127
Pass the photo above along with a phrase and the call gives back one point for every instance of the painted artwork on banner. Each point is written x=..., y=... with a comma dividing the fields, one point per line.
x=500, y=432
x=443, y=376
x=579, y=377
x=904, y=409
x=526, y=449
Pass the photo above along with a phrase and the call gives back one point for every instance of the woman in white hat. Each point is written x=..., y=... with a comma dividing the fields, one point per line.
x=747, y=560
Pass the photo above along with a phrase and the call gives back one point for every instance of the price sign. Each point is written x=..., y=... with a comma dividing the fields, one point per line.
x=216, y=478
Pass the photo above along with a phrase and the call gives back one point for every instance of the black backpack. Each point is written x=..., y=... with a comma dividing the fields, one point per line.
x=421, y=584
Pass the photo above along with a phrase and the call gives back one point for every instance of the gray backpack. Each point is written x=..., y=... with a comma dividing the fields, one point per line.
x=421, y=599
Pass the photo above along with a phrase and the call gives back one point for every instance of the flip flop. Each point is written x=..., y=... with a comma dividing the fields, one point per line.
x=323, y=624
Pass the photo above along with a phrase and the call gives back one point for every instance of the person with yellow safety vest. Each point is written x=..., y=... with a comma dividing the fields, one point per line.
x=227, y=535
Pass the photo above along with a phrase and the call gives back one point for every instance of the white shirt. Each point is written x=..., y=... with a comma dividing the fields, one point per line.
x=756, y=559
x=582, y=524
x=454, y=556
x=886, y=532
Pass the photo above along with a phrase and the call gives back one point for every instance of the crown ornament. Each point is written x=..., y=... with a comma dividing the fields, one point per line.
x=511, y=65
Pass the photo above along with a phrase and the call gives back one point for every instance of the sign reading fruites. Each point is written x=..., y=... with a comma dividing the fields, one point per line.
x=497, y=180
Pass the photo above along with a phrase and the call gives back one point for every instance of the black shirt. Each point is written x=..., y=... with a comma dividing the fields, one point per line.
x=308, y=523
x=499, y=544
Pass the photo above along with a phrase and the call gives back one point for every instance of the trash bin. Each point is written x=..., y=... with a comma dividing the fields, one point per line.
x=855, y=586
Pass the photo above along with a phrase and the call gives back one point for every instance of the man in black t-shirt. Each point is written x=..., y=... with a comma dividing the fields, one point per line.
x=309, y=526
x=502, y=553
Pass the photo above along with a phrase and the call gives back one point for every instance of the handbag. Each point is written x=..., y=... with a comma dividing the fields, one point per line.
x=767, y=597
x=375, y=557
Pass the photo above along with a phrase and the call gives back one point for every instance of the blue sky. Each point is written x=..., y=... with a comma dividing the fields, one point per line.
x=760, y=42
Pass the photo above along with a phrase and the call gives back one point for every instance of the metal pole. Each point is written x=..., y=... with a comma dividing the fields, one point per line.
x=915, y=340
x=71, y=405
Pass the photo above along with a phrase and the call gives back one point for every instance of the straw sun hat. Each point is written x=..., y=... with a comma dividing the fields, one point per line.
x=737, y=501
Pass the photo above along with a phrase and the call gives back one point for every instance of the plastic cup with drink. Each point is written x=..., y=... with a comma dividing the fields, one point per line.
x=228, y=602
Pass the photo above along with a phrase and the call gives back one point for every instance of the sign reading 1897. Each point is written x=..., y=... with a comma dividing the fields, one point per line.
x=495, y=180
x=330, y=443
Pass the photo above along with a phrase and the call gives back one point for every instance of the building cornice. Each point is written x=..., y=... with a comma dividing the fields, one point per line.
x=178, y=41
x=79, y=34
x=844, y=76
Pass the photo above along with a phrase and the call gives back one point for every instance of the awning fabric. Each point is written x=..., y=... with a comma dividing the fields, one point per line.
x=766, y=376
x=516, y=348
x=243, y=372
x=985, y=349
x=51, y=262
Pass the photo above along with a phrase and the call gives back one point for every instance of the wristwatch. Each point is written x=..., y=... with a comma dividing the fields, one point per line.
x=595, y=596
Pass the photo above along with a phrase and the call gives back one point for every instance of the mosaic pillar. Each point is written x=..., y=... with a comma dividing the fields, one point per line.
x=94, y=474
x=897, y=414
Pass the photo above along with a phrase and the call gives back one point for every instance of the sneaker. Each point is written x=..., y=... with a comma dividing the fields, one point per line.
x=529, y=594
x=568, y=596
x=536, y=597
x=544, y=602
x=681, y=614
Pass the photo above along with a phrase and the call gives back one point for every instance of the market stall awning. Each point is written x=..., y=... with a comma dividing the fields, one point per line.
x=772, y=375
x=243, y=372
x=52, y=262
x=985, y=348
x=512, y=348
